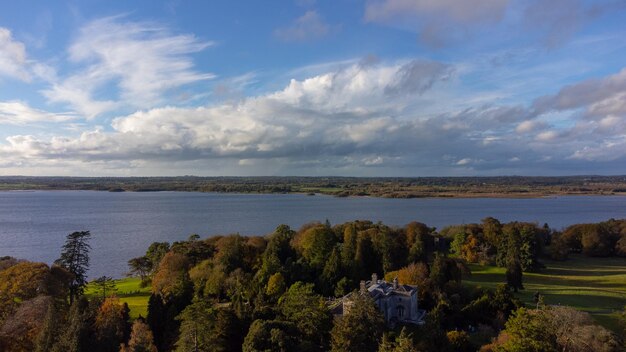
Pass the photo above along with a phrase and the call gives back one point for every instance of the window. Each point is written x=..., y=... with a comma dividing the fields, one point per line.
x=400, y=310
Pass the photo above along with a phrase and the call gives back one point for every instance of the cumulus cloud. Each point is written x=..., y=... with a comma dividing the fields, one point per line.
x=352, y=119
x=143, y=61
x=347, y=112
x=309, y=26
x=12, y=57
x=435, y=20
x=19, y=113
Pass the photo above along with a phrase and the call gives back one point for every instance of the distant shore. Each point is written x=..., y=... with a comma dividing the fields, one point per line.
x=383, y=187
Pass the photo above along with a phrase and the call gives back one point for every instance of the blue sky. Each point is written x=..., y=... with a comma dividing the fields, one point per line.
x=306, y=87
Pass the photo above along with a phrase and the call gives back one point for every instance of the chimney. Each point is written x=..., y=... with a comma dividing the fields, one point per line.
x=374, y=278
x=395, y=283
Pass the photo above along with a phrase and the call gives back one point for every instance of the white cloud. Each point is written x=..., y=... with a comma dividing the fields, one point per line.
x=19, y=113
x=464, y=161
x=529, y=126
x=143, y=61
x=358, y=117
x=309, y=26
x=13, y=60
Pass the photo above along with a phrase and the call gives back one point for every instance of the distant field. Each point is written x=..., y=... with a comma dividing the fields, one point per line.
x=594, y=285
x=387, y=187
x=128, y=291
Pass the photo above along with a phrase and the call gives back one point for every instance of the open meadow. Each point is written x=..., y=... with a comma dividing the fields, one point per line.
x=129, y=291
x=594, y=285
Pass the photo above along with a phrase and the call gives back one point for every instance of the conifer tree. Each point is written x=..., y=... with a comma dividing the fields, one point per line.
x=361, y=327
x=75, y=258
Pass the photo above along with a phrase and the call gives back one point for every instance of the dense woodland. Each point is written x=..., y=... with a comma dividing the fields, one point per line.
x=276, y=292
x=501, y=186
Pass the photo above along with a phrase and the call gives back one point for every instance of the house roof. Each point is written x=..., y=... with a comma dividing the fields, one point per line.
x=382, y=288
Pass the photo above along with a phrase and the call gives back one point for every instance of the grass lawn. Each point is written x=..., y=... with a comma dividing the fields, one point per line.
x=594, y=285
x=128, y=291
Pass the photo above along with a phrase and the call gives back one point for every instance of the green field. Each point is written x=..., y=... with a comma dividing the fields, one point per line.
x=128, y=291
x=594, y=285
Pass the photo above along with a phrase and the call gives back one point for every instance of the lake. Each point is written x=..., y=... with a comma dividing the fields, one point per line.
x=33, y=225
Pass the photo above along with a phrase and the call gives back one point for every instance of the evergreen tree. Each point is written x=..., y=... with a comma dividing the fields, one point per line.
x=76, y=334
x=104, y=286
x=403, y=343
x=49, y=331
x=197, y=322
x=156, y=318
x=360, y=328
x=271, y=335
x=513, y=264
x=348, y=251
x=75, y=258
x=227, y=331
x=331, y=273
x=308, y=311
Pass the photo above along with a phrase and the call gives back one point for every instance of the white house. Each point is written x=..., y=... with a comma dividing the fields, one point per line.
x=397, y=302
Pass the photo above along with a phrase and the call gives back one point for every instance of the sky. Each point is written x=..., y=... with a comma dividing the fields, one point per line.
x=313, y=88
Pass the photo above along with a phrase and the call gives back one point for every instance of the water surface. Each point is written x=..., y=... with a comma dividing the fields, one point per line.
x=33, y=225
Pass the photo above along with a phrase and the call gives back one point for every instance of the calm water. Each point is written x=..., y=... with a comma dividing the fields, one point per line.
x=33, y=225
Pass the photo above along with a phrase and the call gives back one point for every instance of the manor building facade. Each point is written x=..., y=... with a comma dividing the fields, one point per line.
x=398, y=303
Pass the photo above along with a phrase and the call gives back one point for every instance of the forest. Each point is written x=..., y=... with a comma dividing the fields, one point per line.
x=277, y=292
x=388, y=187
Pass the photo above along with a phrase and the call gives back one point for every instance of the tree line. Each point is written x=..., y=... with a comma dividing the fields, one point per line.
x=277, y=292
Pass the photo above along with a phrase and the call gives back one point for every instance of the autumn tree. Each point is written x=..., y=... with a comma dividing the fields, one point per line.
x=75, y=258
x=111, y=324
x=141, y=339
x=20, y=331
x=554, y=329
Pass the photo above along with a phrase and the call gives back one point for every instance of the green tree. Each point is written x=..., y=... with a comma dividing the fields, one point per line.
x=104, y=286
x=348, y=250
x=308, y=311
x=360, y=328
x=197, y=322
x=271, y=335
x=331, y=273
x=50, y=330
x=402, y=343
x=156, y=252
x=76, y=334
x=140, y=266
x=513, y=265
x=275, y=285
x=75, y=258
